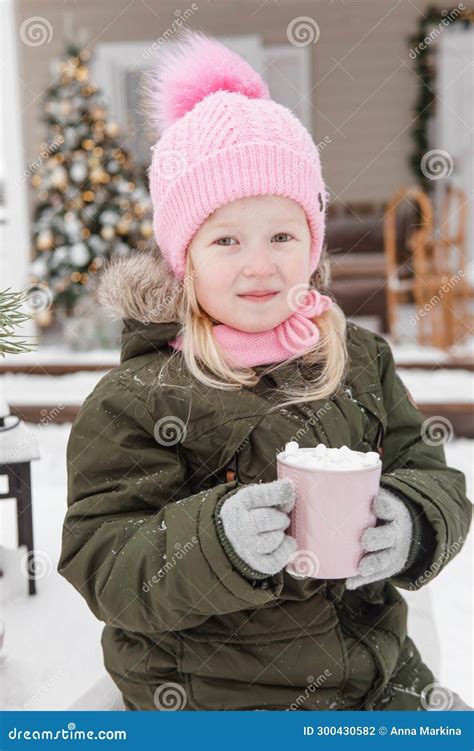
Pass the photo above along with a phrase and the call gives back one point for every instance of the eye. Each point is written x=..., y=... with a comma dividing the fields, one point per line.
x=219, y=241
x=282, y=234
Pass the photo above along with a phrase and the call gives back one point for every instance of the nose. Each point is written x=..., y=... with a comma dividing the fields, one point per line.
x=259, y=262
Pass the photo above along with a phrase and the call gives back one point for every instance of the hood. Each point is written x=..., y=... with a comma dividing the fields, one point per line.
x=141, y=290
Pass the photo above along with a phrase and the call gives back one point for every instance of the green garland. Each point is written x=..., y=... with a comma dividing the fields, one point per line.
x=422, y=51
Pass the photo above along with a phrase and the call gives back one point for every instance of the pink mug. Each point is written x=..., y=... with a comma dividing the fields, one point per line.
x=332, y=509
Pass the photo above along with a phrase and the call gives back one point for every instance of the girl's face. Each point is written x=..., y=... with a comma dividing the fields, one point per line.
x=251, y=246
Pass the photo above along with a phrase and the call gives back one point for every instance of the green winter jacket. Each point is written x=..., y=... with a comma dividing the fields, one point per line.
x=186, y=620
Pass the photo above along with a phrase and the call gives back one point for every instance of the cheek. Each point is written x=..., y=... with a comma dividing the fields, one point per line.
x=297, y=269
x=213, y=279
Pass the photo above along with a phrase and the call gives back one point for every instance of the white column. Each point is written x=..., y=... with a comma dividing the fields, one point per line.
x=455, y=117
x=14, y=219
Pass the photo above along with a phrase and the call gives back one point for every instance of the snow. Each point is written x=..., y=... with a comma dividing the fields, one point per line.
x=53, y=640
x=404, y=341
x=413, y=352
x=21, y=388
x=454, y=386
x=405, y=348
x=426, y=386
x=447, y=601
x=57, y=355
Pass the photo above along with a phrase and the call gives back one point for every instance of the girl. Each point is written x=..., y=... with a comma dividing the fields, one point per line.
x=175, y=529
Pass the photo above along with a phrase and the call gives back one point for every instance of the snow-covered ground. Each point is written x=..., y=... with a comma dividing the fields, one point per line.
x=53, y=641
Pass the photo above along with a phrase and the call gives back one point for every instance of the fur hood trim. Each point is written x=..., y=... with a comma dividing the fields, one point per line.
x=141, y=287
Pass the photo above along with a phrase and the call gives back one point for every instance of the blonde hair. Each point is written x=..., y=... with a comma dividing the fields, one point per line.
x=205, y=360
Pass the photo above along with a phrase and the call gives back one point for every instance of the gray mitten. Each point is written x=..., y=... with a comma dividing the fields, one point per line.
x=388, y=544
x=254, y=519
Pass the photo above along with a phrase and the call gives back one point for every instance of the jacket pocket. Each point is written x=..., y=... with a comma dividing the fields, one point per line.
x=264, y=658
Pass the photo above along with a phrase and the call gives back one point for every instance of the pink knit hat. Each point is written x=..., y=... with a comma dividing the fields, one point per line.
x=223, y=138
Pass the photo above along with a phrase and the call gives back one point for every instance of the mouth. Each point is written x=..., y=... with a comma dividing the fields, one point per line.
x=260, y=296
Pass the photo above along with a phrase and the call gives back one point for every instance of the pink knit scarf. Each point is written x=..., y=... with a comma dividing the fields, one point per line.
x=295, y=335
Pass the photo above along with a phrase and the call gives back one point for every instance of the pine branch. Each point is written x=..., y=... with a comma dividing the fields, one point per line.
x=10, y=317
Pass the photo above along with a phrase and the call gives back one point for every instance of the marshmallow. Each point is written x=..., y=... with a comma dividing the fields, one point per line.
x=292, y=459
x=371, y=458
x=322, y=457
x=320, y=450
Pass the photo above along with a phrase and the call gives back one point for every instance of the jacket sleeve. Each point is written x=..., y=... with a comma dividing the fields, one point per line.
x=414, y=468
x=137, y=544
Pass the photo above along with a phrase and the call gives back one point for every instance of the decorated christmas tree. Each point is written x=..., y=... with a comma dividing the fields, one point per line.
x=92, y=202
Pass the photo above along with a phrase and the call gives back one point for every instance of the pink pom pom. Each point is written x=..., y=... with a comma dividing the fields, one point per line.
x=190, y=69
